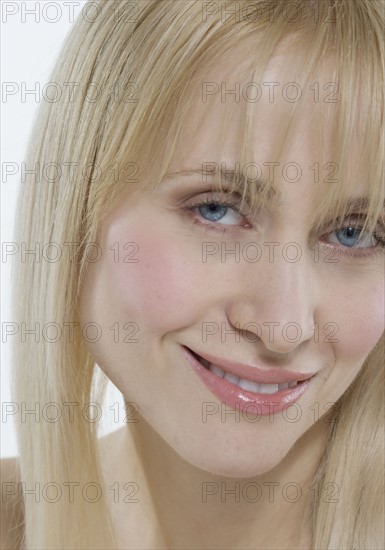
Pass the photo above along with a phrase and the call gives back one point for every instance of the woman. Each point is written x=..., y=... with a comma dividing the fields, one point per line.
x=222, y=237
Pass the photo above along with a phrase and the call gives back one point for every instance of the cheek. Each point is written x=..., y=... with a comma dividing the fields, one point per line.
x=160, y=290
x=359, y=315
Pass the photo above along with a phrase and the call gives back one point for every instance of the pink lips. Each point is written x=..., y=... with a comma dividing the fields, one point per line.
x=244, y=400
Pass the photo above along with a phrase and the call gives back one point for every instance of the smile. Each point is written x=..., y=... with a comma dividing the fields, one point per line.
x=249, y=388
x=247, y=384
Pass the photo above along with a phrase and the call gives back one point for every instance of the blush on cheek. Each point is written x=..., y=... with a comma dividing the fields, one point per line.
x=160, y=289
x=360, y=326
x=364, y=336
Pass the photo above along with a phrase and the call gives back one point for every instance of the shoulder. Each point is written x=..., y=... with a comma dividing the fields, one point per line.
x=11, y=505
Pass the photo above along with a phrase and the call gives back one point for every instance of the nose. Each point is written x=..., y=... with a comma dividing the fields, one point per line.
x=276, y=303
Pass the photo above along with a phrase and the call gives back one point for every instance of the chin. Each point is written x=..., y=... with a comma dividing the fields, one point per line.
x=235, y=465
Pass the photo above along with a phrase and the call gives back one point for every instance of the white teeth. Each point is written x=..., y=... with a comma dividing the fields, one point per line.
x=268, y=388
x=258, y=388
x=232, y=378
x=216, y=370
x=247, y=384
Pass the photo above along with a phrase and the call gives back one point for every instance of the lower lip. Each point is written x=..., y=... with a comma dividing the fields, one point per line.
x=243, y=400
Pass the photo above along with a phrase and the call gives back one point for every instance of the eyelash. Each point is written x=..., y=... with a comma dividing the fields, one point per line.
x=224, y=228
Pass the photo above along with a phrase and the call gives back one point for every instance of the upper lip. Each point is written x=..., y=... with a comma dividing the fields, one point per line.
x=253, y=373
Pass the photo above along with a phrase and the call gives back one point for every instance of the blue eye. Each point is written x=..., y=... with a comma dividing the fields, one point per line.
x=213, y=211
x=350, y=237
x=352, y=241
x=224, y=213
x=220, y=212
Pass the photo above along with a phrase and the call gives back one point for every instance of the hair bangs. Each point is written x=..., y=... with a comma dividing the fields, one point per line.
x=352, y=112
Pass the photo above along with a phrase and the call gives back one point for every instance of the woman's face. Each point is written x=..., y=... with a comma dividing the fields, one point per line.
x=269, y=304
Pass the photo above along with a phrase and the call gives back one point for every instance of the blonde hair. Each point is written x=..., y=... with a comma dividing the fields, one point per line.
x=160, y=52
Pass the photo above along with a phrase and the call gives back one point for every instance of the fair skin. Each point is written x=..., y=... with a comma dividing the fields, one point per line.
x=171, y=453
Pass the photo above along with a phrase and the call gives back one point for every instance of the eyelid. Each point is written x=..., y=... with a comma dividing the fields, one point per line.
x=358, y=252
x=356, y=220
x=222, y=199
x=232, y=199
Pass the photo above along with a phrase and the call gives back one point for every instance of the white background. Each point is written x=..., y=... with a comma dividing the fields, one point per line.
x=32, y=36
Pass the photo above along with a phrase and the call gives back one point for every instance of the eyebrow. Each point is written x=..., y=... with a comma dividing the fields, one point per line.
x=228, y=176
x=359, y=203
x=356, y=203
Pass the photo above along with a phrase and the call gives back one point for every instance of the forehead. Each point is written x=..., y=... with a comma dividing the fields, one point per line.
x=222, y=93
